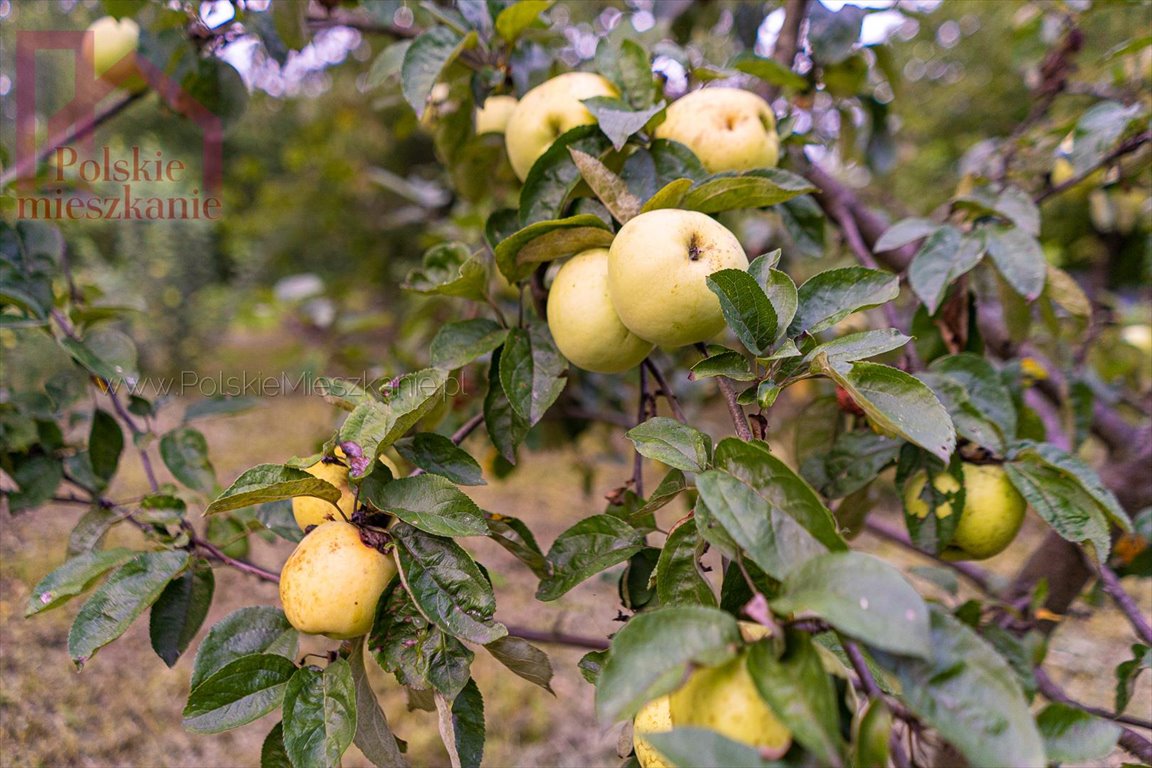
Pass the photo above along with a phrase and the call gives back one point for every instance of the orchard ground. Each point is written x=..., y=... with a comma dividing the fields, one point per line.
x=124, y=708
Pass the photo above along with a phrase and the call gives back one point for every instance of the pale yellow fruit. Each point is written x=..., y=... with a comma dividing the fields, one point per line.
x=583, y=322
x=992, y=514
x=725, y=700
x=1139, y=336
x=729, y=129
x=653, y=717
x=311, y=510
x=751, y=632
x=546, y=112
x=658, y=268
x=110, y=47
x=493, y=116
x=332, y=582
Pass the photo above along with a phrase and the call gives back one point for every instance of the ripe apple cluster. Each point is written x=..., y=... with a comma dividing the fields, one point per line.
x=608, y=308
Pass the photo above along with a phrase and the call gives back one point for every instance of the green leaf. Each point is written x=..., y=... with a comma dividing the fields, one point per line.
x=74, y=577
x=517, y=17
x=185, y=453
x=587, y=548
x=447, y=586
x=1072, y=735
x=107, y=354
x=984, y=387
x=873, y=735
x=506, y=428
x=801, y=694
x=806, y=224
x=218, y=406
x=457, y=344
x=462, y=726
x=116, y=603
x=829, y=297
x=373, y=736
x=1128, y=671
x=862, y=596
x=431, y=503
x=319, y=714
x=856, y=346
x=105, y=444
x=944, y=256
x=524, y=659
x=531, y=371
x=833, y=35
x=272, y=752
x=420, y=654
x=1016, y=205
x=675, y=444
x=967, y=692
x=515, y=537
x=607, y=186
x=618, y=121
x=770, y=538
x=904, y=232
x=1019, y=258
x=244, y=689
x=256, y=630
x=746, y=308
x=426, y=58
x=896, y=404
x=271, y=482
x=702, y=748
x=437, y=454
x=753, y=464
x=651, y=653
x=668, y=196
x=768, y=70
x=679, y=579
x=1098, y=128
x=728, y=363
x=181, y=609
x=548, y=240
x=779, y=289
x=749, y=189
x=450, y=269
x=376, y=425
x=554, y=177
x=853, y=461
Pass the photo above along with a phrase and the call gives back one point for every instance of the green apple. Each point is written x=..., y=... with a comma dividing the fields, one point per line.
x=725, y=699
x=992, y=514
x=653, y=717
x=332, y=581
x=494, y=115
x=548, y=111
x=111, y=47
x=658, y=268
x=583, y=322
x=729, y=129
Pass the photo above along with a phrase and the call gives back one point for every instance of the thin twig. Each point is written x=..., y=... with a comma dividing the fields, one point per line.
x=665, y=391
x=557, y=638
x=215, y=553
x=861, y=666
x=1126, y=147
x=978, y=576
x=739, y=418
x=1123, y=600
x=1052, y=691
x=1129, y=739
x=641, y=416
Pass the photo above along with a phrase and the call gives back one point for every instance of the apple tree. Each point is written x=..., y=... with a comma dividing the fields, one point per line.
x=706, y=217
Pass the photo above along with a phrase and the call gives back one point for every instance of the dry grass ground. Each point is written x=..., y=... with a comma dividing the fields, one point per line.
x=124, y=708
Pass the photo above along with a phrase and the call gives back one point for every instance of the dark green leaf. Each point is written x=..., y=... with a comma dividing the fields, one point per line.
x=677, y=445
x=437, y=454
x=270, y=482
x=116, y=603
x=1128, y=671
x=256, y=630
x=651, y=653
x=679, y=579
x=515, y=537
x=505, y=427
x=854, y=460
x=530, y=372
x=863, y=597
x=587, y=548
x=272, y=752
x=829, y=297
x=984, y=387
x=425, y=59
x=373, y=736
x=181, y=609
x=746, y=308
x=524, y=659
x=727, y=362
x=1061, y=500
x=242, y=690
x=858, y=346
x=590, y=665
x=1072, y=735
x=277, y=517
x=702, y=748
x=873, y=733
x=447, y=586
x=466, y=718
x=431, y=503
x=833, y=34
x=320, y=714
x=185, y=453
x=105, y=443
x=457, y=344
x=550, y=239
x=805, y=222
x=944, y=256
x=74, y=577
x=749, y=189
x=554, y=177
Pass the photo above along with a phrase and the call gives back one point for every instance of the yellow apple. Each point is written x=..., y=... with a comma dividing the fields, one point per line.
x=332, y=582
x=548, y=111
x=312, y=510
x=725, y=699
x=653, y=717
x=112, y=47
x=493, y=116
x=992, y=514
x=729, y=129
x=658, y=267
x=583, y=322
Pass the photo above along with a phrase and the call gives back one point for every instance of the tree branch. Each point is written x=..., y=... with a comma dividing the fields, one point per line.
x=739, y=418
x=557, y=638
x=641, y=415
x=1129, y=739
x=665, y=391
x=1123, y=600
x=978, y=576
x=1126, y=147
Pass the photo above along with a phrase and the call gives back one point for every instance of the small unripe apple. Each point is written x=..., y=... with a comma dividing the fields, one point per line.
x=992, y=514
x=725, y=699
x=312, y=510
x=332, y=582
x=729, y=129
x=493, y=116
x=584, y=323
x=112, y=48
x=658, y=268
x=653, y=717
x=546, y=112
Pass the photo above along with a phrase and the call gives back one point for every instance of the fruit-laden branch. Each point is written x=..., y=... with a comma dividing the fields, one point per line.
x=1129, y=739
